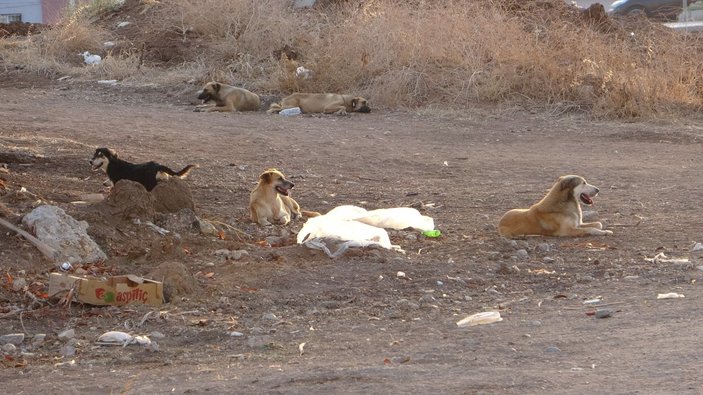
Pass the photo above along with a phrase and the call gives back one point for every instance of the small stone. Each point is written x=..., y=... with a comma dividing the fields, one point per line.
x=80, y=271
x=13, y=338
x=68, y=350
x=468, y=298
x=536, y=323
x=700, y=268
x=427, y=298
x=269, y=317
x=604, y=313
x=522, y=254
x=274, y=240
x=206, y=228
x=439, y=283
x=8, y=348
x=552, y=349
x=406, y=304
x=548, y=259
x=38, y=338
x=698, y=247
x=67, y=334
x=544, y=248
x=157, y=335
x=18, y=284
x=235, y=334
x=630, y=278
x=411, y=237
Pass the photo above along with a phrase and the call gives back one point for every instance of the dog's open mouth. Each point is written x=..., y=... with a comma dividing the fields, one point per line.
x=586, y=199
x=283, y=191
x=94, y=166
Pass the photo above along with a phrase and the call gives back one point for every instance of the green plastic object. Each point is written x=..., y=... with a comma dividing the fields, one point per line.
x=432, y=233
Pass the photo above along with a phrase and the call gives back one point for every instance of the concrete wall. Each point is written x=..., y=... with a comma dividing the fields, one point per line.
x=30, y=9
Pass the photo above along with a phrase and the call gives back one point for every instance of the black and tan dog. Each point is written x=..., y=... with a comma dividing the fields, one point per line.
x=270, y=201
x=557, y=214
x=227, y=98
x=326, y=103
x=147, y=174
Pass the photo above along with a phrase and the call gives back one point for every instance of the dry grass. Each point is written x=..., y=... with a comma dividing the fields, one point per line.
x=406, y=54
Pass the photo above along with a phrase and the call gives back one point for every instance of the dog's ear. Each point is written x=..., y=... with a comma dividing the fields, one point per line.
x=216, y=86
x=354, y=102
x=266, y=176
x=112, y=152
x=569, y=182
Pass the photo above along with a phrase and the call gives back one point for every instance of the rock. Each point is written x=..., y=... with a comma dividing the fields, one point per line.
x=182, y=221
x=269, y=317
x=522, y=254
x=411, y=237
x=207, y=229
x=552, y=349
x=8, y=348
x=604, y=313
x=67, y=334
x=13, y=338
x=63, y=233
x=18, y=284
x=274, y=240
x=427, y=299
x=157, y=335
x=229, y=254
x=68, y=350
x=38, y=339
x=590, y=215
x=698, y=247
x=544, y=248
x=235, y=334
x=123, y=24
x=259, y=341
x=407, y=305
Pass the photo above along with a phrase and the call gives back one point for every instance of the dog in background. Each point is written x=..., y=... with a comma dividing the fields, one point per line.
x=147, y=174
x=270, y=201
x=228, y=98
x=557, y=214
x=326, y=103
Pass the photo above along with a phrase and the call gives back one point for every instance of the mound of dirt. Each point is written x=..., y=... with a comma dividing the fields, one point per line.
x=172, y=196
x=129, y=200
x=176, y=278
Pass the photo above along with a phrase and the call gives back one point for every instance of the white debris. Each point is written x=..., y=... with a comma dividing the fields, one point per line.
x=107, y=82
x=304, y=73
x=670, y=295
x=117, y=338
x=123, y=24
x=662, y=258
x=91, y=59
x=486, y=317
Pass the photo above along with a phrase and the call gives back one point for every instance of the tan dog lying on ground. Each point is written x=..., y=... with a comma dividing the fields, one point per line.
x=326, y=103
x=270, y=201
x=228, y=98
x=557, y=214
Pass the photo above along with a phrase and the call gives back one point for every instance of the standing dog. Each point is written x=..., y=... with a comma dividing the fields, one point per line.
x=326, y=103
x=557, y=214
x=228, y=98
x=146, y=174
x=270, y=201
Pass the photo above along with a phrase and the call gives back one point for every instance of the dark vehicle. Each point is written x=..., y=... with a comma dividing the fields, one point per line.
x=656, y=9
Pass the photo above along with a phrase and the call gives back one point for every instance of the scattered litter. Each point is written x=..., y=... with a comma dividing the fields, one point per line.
x=432, y=233
x=115, y=290
x=486, y=317
x=401, y=275
x=117, y=338
x=235, y=334
x=90, y=59
x=156, y=228
x=65, y=77
x=108, y=44
x=66, y=266
x=301, y=349
x=662, y=258
x=290, y=111
x=107, y=82
x=670, y=295
x=67, y=364
x=592, y=301
x=124, y=24
x=304, y=73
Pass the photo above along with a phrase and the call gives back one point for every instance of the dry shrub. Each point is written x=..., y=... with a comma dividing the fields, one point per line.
x=430, y=53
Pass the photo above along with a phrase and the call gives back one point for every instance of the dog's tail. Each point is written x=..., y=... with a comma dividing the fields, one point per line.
x=310, y=214
x=184, y=172
x=275, y=108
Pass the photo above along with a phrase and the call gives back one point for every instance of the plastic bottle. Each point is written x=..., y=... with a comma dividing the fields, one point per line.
x=290, y=111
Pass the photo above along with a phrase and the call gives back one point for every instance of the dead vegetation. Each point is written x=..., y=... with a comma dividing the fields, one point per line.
x=399, y=54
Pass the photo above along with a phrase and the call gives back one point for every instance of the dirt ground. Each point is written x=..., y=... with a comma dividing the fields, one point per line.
x=365, y=329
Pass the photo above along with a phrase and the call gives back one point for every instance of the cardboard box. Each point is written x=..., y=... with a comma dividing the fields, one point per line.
x=115, y=291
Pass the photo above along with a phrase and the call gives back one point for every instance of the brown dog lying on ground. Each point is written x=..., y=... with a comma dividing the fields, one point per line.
x=557, y=214
x=270, y=201
x=326, y=103
x=227, y=98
